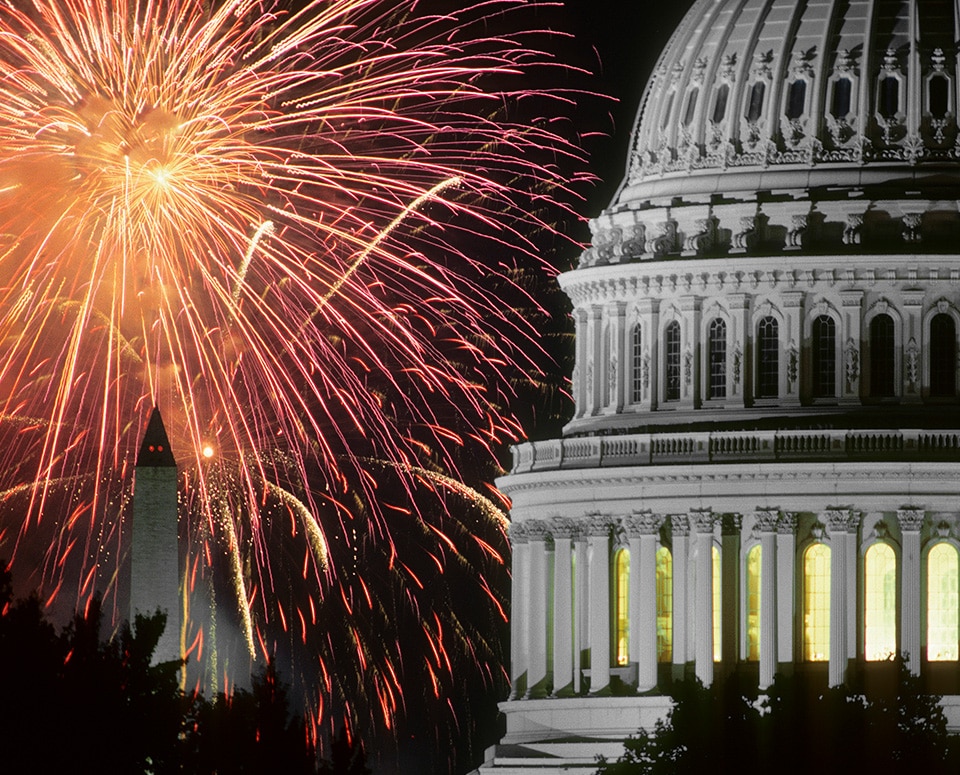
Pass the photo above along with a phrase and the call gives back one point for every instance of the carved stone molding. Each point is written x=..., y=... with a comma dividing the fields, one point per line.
x=911, y=519
x=702, y=520
x=679, y=525
x=598, y=524
x=518, y=533
x=841, y=520
x=787, y=524
x=537, y=530
x=642, y=523
x=563, y=527
x=767, y=519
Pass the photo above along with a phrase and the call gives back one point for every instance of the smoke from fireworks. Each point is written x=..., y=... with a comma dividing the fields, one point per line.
x=280, y=224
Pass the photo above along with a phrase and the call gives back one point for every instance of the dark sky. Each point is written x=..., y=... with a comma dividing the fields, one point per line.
x=628, y=36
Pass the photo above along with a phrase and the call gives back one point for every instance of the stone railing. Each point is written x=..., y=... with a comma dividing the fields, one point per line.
x=643, y=449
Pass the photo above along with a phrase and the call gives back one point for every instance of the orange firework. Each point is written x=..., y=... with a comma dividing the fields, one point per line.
x=278, y=223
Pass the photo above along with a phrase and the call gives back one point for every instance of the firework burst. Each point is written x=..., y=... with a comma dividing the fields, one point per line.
x=279, y=224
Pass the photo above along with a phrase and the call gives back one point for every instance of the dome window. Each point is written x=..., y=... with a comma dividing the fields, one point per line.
x=938, y=96
x=637, y=375
x=796, y=99
x=717, y=347
x=691, y=106
x=943, y=356
x=840, y=103
x=665, y=117
x=889, y=103
x=720, y=103
x=768, y=358
x=671, y=364
x=882, y=357
x=755, y=102
x=824, y=357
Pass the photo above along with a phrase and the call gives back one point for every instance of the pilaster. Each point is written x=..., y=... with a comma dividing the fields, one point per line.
x=617, y=367
x=766, y=520
x=792, y=342
x=690, y=346
x=680, y=530
x=911, y=523
x=839, y=522
x=737, y=367
x=649, y=317
x=703, y=521
x=786, y=595
x=850, y=346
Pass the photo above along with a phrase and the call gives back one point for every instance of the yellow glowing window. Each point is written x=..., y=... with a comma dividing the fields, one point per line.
x=621, y=565
x=942, y=634
x=716, y=605
x=816, y=603
x=664, y=605
x=880, y=602
x=753, y=604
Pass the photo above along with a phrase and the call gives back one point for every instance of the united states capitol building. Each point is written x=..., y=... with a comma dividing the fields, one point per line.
x=763, y=470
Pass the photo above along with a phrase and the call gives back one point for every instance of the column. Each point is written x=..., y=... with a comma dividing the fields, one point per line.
x=767, y=524
x=642, y=529
x=911, y=523
x=838, y=522
x=599, y=540
x=786, y=599
x=730, y=525
x=792, y=338
x=518, y=615
x=703, y=521
x=680, y=529
x=581, y=605
x=563, y=620
x=849, y=345
x=538, y=595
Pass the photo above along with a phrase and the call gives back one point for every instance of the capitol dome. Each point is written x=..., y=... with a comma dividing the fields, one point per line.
x=760, y=475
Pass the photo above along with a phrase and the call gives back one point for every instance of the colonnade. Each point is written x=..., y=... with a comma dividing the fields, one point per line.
x=565, y=605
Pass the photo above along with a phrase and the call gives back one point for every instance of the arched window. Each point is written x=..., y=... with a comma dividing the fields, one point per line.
x=816, y=603
x=753, y=604
x=720, y=103
x=882, y=356
x=717, y=598
x=840, y=103
x=942, y=630
x=824, y=357
x=943, y=356
x=665, y=117
x=938, y=96
x=671, y=340
x=880, y=602
x=691, y=106
x=621, y=575
x=664, y=605
x=636, y=376
x=717, y=355
x=768, y=358
x=755, y=103
x=796, y=99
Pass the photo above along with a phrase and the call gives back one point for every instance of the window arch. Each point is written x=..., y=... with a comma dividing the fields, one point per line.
x=717, y=612
x=880, y=602
x=636, y=376
x=664, y=605
x=621, y=597
x=816, y=603
x=753, y=604
x=768, y=358
x=942, y=629
x=943, y=355
x=882, y=356
x=671, y=358
x=796, y=99
x=717, y=358
x=824, y=357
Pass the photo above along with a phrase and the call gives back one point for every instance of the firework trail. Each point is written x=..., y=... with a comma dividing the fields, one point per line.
x=277, y=223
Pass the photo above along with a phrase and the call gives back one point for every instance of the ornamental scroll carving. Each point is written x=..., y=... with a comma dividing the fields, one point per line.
x=851, y=364
x=518, y=533
x=766, y=520
x=910, y=519
x=537, y=530
x=702, y=520
x=598, y=525
x=913, y=370
x=841, y=520
x=642, y=523
x=787, y=524
x=563, y=527
x=679, y=525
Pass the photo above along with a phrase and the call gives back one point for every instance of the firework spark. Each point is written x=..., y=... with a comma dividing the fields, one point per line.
x=275, y=222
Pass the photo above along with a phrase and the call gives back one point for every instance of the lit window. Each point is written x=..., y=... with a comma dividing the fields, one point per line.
x=768, y=358
x=753, y=604
x=882, y=356
x=622, y=598
x=717, y=348
x=943, y=356
x=880, y=602
x=664, y=605
x=816, y=603
x=717, y=626
x=796, y=99
x=942, y=630
x=824, y=357
x=671, y=337
x=637, y=376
